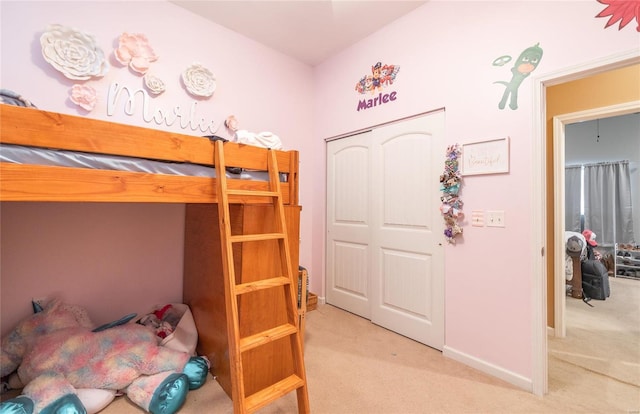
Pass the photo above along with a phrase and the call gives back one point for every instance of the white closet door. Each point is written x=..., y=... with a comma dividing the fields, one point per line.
x=385, y=259
x=348, y=219
x=407, y=271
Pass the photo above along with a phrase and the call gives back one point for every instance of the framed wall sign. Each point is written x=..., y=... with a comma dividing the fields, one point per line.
x=485, y=157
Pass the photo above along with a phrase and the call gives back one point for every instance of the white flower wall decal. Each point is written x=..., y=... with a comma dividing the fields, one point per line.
x=154, y=84
x=74, y=53
x=77, y=55
x=199, y=80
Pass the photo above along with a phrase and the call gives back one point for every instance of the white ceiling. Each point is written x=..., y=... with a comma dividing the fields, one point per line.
x=307, y=30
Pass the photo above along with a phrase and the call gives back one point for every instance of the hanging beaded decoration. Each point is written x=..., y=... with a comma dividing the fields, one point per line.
x=450, y=183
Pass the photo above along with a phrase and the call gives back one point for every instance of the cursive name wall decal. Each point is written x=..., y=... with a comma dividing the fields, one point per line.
x=120, y=94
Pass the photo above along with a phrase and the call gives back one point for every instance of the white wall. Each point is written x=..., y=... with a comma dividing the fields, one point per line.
x=446, y=50
x=608, y=139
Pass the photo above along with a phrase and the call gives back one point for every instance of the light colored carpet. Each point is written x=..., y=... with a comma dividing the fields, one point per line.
x=356, y=367
x=604, y=338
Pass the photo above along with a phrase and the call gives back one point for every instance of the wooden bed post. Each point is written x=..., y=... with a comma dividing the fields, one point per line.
x=293, y=177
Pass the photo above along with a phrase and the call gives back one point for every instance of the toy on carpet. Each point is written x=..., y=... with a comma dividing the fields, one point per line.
x=57, y=356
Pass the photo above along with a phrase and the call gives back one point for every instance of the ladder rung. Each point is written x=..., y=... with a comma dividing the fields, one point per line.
x=256, y=237
x=265, y=337
x=273, y=392
x=261, y=284
x=254, y=193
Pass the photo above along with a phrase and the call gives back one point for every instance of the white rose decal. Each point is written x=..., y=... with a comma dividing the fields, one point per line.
x=84, y=96
x=73, y=53
x=199, y=80
x=154, y=84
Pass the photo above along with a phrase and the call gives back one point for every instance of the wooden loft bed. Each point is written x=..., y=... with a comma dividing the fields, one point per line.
x=203, y=284
x=38, y=128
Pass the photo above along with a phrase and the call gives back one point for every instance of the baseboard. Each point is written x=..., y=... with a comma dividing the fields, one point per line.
x=493, y=370
x=322, y=300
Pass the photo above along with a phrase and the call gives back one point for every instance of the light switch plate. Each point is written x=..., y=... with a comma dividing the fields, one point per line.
x=477, y=218
x=495, y=218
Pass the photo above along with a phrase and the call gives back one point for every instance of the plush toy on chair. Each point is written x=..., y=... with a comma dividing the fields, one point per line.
x=57, y=354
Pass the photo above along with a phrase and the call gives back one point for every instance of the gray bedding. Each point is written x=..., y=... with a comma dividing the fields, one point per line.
x=30, y=155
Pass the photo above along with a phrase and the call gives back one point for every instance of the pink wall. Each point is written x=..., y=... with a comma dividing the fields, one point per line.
x=265, y=90
x=113, y=259
x=446, y=50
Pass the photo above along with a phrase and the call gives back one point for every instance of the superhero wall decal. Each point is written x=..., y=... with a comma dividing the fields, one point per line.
x=381, y=77
x=526, y=63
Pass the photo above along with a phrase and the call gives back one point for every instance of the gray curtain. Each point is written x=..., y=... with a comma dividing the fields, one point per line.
x=607, y=202
x=572, y=196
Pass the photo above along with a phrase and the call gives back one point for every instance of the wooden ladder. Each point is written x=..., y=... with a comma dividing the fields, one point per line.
x=238, y=345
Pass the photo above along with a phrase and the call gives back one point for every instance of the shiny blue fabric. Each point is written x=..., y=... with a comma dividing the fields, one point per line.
x=170, y=395
x=196, y=370
x=69, y=404
x=18, y=405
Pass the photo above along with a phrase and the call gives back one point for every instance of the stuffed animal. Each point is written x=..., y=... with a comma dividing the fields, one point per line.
x=56, y=353
x=260, y=139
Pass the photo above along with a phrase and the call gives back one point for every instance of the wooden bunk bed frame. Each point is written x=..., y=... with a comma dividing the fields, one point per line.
x=38, y=128
x=203, y=287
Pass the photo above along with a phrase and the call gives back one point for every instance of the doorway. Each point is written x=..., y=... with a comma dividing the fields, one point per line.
x=559, y=126
x=385, y=254
x=544, y=246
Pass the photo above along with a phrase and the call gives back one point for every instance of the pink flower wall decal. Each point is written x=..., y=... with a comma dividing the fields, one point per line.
x=84, y=96
x=134, y=50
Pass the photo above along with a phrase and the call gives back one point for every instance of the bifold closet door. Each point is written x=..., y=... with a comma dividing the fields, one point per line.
x=385, y=259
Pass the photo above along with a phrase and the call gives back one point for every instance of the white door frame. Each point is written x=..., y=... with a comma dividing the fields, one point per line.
x=539, y=200
x=559, y=124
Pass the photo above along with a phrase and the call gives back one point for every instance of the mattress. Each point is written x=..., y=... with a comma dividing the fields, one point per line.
x=19, y=154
